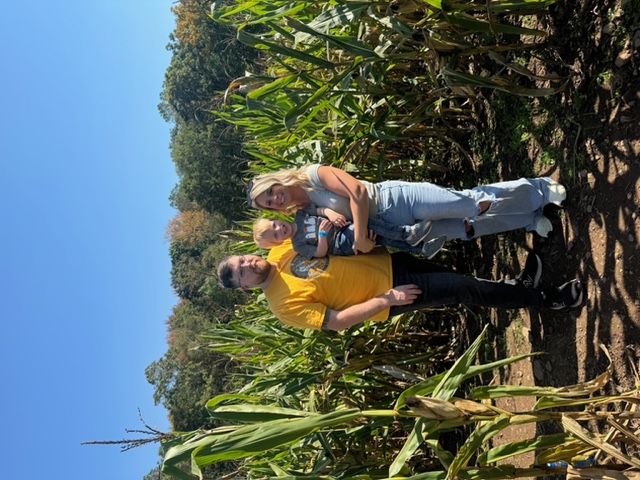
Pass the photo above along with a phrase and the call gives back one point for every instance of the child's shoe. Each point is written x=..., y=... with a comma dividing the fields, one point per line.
x=418, y=232
x=430, y=248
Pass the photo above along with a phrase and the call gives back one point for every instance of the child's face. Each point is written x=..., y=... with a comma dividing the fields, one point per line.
x=279, y=232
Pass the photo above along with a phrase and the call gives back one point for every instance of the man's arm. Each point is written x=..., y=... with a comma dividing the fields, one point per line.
x=341, y=319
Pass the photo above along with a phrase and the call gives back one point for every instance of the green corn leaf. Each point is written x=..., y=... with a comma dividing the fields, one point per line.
x=502, y=391
x=280, y=473
x=219, y=12
x=445, y=456
x=300, y=383
x=502, y=452
x=525, y=72
x=350, y=45
x=285, y=11
x=473, y=24
x=426, y=388
x=339, y=16
x=254, y=413
x=413, y=442
x=218, y=399
x=460, y=79
x=252, y=439
x=271, y=87
x=436, y=475
x=519, y=6
x=292, y=115
x=271, y=47
x=546, y=403
x=457, y=373
x=243, y=7
x=477, y=438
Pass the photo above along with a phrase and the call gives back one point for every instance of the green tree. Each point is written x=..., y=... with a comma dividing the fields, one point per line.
x=183, y=387
x=210, y=163
x=205, y=57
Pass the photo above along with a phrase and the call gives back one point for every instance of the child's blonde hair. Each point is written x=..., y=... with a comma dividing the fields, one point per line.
x=260, y=227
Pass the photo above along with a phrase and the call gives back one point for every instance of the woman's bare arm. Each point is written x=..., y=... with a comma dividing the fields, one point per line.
x=341, y=183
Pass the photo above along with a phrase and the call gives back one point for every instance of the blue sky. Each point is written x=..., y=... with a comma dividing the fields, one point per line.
x=84, y=183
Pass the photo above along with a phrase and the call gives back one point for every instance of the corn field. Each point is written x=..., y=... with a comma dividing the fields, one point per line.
x=291, y=437
x=375, y=85
x=387, y=90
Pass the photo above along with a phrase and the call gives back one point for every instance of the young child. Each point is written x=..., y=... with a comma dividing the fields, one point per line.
x=315, y=236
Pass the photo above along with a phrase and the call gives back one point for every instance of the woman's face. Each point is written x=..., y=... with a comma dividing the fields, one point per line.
x=277, y=197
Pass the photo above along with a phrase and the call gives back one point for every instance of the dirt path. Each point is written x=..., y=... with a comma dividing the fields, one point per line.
x=597, y=128
x=601, y=227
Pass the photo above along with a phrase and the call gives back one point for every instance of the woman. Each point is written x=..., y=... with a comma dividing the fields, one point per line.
x=454, y=214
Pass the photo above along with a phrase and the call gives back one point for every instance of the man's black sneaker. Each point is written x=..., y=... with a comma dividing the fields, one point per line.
x=532, y=271
x=567, y=295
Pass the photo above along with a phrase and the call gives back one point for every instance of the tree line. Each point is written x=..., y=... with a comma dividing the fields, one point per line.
x=209, y=198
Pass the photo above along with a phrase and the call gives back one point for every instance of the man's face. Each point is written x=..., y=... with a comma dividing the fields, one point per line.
x=249, y=271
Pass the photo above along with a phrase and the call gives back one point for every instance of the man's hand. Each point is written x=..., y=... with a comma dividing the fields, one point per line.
x=402, y=295
x=341, y=319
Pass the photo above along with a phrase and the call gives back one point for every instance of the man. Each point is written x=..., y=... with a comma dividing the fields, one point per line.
x=335, y=293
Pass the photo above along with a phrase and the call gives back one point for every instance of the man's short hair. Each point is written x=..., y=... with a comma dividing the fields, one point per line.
x=225, y=274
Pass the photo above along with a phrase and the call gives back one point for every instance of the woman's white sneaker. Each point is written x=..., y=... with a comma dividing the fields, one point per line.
x=543, y=226
x=557, y=194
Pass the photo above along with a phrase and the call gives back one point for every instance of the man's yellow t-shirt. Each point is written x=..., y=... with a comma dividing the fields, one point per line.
x=302, y=289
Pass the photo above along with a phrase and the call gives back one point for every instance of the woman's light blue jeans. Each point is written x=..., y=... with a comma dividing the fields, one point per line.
x=513, y=205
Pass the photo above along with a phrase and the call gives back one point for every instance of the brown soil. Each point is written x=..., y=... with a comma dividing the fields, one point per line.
x=596, y=236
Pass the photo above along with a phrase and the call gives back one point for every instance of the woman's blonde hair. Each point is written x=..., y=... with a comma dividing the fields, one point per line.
x=295, y=177
x=260, y=227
